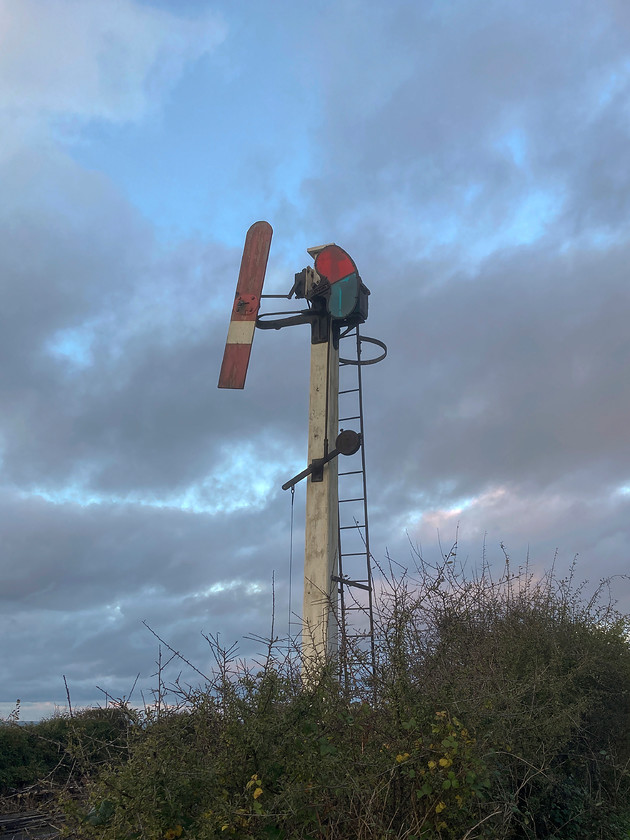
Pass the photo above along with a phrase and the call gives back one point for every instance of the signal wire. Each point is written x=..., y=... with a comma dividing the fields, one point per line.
x=291, y=565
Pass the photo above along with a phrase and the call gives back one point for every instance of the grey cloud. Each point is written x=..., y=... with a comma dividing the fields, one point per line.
x=61, y=557
x=144, y=414
x=83, y=61
x=78, y=582
x=434, y=143
x=506, y=383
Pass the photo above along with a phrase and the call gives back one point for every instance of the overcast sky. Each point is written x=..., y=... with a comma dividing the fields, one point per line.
x=473, y=158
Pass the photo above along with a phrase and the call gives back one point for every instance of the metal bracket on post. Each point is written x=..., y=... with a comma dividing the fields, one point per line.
x=317, y=317
x=347, y=443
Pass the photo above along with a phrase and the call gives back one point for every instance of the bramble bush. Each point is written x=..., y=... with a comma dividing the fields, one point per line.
x=38, y=760
x=497, y=709
x=57, y=746
x=540, y=673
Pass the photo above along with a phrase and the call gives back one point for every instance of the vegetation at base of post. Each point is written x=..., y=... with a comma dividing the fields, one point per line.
x=498, y=709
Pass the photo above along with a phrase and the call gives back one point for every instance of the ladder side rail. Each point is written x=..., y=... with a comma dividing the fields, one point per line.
x=365, y=505
x=343, y=648
x=343, y=607
x=350, y=603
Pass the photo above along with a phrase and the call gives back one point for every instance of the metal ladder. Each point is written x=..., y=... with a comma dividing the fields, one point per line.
x=355, y=570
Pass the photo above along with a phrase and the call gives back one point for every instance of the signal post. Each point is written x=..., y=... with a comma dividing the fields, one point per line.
x=321, y=562
x=337, y=300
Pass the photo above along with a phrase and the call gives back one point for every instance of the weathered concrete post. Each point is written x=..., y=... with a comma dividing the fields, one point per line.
x=319, y=613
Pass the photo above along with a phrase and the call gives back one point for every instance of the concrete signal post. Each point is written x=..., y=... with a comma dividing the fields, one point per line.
x=319, y=608
x=337, y=300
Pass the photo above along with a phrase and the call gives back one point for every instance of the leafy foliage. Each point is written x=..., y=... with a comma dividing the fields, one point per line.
x=59, y=746
x=497, y=709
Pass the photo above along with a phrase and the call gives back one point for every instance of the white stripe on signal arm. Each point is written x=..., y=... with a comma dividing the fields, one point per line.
x=241, y=332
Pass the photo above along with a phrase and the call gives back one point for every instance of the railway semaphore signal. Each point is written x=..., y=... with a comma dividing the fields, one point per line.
x=337, y=303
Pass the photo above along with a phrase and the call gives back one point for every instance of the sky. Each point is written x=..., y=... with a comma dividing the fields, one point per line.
x=471, y=156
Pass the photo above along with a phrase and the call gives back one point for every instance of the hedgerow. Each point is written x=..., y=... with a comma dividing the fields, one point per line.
x=496, y=709
x=58, y=749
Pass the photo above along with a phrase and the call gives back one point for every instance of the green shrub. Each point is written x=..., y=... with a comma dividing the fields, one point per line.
x=60, y=745
x=497, y=709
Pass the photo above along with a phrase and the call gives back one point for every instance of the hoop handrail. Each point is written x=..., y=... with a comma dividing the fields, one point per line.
x=380, y=358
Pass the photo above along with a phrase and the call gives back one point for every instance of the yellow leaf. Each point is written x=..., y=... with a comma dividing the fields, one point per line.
x=258, y=792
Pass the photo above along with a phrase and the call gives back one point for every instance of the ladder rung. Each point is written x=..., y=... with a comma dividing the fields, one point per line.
x=357, y=584
x=361, y=583
x=352, y=553
x=349, y=391
x=359, y=499
x=347, y=527
x=356, y=417
x=351, y=472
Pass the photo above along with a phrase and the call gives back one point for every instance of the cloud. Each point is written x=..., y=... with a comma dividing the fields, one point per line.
x=80, y=579
x=470, y=126
x=471, y=158
x=117, y=450
x=115, y=343
x=98, y=60
x=541, y=394
x=540, y=530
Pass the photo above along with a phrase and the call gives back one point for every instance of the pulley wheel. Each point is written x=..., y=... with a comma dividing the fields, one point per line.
x=348, y=442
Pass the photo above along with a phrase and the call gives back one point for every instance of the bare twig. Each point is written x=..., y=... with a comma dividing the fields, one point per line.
x=65, y=682
x=177, y=653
